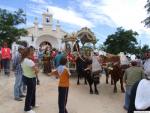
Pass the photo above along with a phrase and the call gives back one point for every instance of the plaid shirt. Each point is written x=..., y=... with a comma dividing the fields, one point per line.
x=17, y=65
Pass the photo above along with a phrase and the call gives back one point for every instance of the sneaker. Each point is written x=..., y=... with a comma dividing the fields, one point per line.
x=36, y=106
x=22, y=96
x=31, y=111
x=18, y=99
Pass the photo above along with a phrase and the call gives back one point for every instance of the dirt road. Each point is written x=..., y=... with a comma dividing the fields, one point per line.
x=79, y=101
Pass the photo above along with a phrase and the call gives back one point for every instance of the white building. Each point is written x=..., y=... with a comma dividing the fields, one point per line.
x=46, y=35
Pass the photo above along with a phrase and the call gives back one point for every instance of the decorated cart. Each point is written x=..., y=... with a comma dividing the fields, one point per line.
x=80, y=43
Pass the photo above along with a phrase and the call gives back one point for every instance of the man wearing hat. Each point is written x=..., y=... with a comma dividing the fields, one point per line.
x=18, y=94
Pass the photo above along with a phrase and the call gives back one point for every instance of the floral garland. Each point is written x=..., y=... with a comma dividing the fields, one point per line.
x=71, y=58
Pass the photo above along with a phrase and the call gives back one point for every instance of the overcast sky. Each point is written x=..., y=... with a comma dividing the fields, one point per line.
x=102, y=16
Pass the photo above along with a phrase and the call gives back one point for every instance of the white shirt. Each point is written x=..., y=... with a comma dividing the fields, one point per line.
x=27, y=65
x=142, y=100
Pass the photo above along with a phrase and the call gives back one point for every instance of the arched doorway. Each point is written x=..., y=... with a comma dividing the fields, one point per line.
x=48, y=40
x=45, y=45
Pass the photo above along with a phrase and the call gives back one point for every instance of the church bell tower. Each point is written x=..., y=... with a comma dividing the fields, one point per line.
x=47, y=20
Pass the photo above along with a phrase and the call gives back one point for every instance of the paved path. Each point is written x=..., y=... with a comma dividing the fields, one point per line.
x=79, y=101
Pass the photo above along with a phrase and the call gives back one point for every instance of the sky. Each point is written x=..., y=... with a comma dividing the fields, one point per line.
x=101, y=16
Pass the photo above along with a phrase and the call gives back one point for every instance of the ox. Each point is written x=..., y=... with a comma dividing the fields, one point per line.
x=114, y=69
x=80, y=66
x=91, y=74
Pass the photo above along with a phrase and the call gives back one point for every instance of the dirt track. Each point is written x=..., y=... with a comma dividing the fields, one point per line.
x=79, y=101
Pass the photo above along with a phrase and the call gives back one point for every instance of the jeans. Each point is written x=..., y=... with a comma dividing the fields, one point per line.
x=18, y=86
x=62, y=99
x=6, y=66
x=127, y=96
x=31, y=91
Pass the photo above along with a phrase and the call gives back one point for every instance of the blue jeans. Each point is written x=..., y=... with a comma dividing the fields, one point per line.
x=127, y=96
x=6, y=66
x=18, y=86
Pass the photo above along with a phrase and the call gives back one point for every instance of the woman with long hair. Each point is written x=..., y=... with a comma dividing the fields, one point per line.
x=29, y=70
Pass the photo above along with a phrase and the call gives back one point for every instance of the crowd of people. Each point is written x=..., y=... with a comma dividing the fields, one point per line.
x=137, y=79
x=26, y=69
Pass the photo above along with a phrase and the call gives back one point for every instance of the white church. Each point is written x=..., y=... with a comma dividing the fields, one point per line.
x=45, y=35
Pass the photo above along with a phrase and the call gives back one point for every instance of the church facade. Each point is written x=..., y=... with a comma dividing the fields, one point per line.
x=45, y=35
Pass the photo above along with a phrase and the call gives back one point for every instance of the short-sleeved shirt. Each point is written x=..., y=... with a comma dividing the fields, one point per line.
x=133, y=74
x=63, y=76
x=27, y=65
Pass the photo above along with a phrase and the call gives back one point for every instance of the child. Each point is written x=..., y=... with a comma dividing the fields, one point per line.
x=29, y=78
x=63, y=74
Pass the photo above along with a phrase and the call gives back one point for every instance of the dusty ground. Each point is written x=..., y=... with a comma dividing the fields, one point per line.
x=80, y=101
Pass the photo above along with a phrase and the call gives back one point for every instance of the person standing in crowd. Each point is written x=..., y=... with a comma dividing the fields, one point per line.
x=6, y=57
x=47, y=61
x=40, y=57
x=57, y=59
x=139, y=61
x=140, y=93
x=63, y=74
x=29, y=78
x=34, y=60
x=18, y=94
x=146, y=65
x=131, y=76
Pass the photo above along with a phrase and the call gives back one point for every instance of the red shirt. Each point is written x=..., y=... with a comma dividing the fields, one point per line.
x=6, y=54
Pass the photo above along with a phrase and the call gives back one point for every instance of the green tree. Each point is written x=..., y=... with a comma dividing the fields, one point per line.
x=147, y=20
x=121, y=41
x=145, y=48
x=9, y=22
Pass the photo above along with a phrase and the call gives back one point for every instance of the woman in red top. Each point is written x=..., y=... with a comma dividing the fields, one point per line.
x=6, y=57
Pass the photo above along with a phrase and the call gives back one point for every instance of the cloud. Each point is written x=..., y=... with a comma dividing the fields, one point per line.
x=8, y=8
x=125, y=13
x=39, y=1
x=68, y=16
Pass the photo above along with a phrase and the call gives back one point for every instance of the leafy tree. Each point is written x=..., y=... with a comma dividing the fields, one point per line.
x=121, y=41
x=23, y=43
x=147, y=20
x=145, y=48
x=9, y=22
